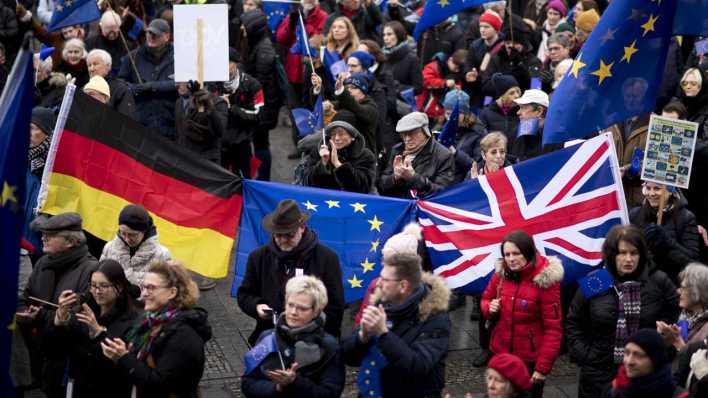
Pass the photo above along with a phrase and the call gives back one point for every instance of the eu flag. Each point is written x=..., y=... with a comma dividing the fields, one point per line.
x=617, y=73
x=449, y=130
x=73, y=12
x=436, y=11
x=355, y=226
x=15, y=116
x=275, y=11
x=334, y=64
x=408, y=96
x=302, y=45
x=596, y=282
x=691, y=18
x=264, y=347
x=308, y=122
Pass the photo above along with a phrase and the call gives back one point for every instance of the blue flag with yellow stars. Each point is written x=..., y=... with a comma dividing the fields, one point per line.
x=73, y=12
x=308, y=122
x=15, y=116
x=691, y=17
x=436, y=11
x=275, y=11
x=355, y=226
x=617, y=73
x=596, y=282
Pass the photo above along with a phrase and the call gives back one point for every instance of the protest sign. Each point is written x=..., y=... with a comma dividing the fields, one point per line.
x=669, y=151
x=201, y=40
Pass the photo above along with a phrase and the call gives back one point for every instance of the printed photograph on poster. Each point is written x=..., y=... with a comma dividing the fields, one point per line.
x=669, y=151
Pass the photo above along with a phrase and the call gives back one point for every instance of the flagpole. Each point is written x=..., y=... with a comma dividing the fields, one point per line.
x=307, y=45
x=56, y=136
x=125, y=43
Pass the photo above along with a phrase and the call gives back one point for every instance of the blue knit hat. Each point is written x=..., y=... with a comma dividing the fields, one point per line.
x=366, y=59
x=453, y=96
x=359, y=80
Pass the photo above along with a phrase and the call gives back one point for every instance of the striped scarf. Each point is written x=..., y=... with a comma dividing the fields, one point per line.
x=630, y=305
x=143, y=334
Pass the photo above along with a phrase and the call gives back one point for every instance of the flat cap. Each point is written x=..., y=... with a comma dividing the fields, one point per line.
x=61, y=222
x=412, y=121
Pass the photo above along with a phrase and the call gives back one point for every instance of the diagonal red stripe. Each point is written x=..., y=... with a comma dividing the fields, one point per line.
x=575, y=249
x=453, y=216
x=581, y=172
x=464, y=265
x=112, y=171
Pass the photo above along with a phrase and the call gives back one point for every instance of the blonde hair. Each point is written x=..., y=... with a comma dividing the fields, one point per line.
x=506, y=97
x=313, y=287
x=76, y=43
x=353, y=38
x=491, y=140
x=694, y=73
x=174, y=273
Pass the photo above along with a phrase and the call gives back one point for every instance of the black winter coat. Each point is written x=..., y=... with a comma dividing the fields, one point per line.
x=266, y=277
x=415, y=346
x=494, y=119
x=178, y=353
x=367, y=116
x=405, y=68
x=261, y=64
x=201, y=132
x=442, y=38
x=323, y=379
x=356, y=174
x=675, y=243
x=114, y=47
x=121, y=97
x=434, y=171
x=523, y=66
x=244, y=110
x=591, y=326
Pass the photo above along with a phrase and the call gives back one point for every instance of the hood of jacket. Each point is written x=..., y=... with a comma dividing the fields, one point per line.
x=256, y=25
x=547, y=271
x=195, y=318
x=435, y=301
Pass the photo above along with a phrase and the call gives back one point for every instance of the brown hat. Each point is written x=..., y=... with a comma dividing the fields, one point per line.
x=287, y=217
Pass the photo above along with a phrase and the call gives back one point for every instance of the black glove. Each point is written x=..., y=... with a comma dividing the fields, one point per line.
x=194, y=86
x=546, y=77
x=515, y=55
x=141, y=88
x=656, y=237
x=203, y=98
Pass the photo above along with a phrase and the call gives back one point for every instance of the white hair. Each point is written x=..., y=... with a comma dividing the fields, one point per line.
x=75, y=43
x=104, y=55
x=310, y=285
x=111, y=16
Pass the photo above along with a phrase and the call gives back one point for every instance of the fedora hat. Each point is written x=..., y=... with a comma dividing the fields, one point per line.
x=286, y=218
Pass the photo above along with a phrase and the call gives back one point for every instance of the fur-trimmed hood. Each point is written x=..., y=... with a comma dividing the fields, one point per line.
x=548, y=270
x=437, y=300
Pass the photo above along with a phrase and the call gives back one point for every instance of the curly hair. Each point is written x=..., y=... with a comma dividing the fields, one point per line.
x=176, y=275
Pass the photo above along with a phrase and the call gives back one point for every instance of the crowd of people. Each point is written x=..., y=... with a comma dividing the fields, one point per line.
x=128, y=323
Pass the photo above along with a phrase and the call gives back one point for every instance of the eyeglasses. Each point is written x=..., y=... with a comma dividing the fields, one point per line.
x=151, y=288
x=551, y=49
x=389, y=279
x=101, y=287
x=298, y=308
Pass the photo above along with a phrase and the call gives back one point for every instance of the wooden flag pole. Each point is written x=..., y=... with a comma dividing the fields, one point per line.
x=660, y=210
x=200, y=51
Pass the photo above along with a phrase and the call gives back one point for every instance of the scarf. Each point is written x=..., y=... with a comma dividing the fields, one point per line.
x=37, y=155
x=305, y=340
x=388, y=51
x=409, y=155
x=630, y=304
x=54, y=267
x=695, y=321
x=659, y=384
x=143, y=334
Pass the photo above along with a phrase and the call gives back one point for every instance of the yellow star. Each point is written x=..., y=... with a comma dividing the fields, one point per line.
x=358, y=207
x=8, y=194
x=353, y=282
x=577, y=65
x=375, y=224
x=68, y=3
x=310, y=206
x=368, y=266
x=443, y=3
x=332, y=203
x=11, y=327
x=629, y=51
x=375, y=245
x=649, y=24
x=604, y=72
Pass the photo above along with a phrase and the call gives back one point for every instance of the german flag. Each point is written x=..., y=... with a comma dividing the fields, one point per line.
x=105, y=161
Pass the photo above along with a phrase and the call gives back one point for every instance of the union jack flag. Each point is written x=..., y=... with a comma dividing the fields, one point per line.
x=567, y=200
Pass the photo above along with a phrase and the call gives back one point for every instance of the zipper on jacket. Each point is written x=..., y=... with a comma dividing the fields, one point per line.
x=533, y=346
x=513, y=311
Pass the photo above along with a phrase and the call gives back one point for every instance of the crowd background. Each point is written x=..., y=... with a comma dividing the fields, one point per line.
x=498, y=64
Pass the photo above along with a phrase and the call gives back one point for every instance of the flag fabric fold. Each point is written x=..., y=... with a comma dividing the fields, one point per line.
x=306, y=121
x=449, y=130
x=617, y=73
x=15, y=116
x=334, y=64
x=691, y=18
x=302, y=43
x=355, y=226
x=73, y=12
x=105, y=161
x=436, y=11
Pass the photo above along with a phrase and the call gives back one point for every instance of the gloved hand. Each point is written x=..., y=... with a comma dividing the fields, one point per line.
x=515, y=55
x=194, y=86
x=141, y=88
x=546, y=77
x=656, y=237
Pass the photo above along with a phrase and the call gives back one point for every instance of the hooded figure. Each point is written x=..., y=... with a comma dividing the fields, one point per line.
x=136, y=244
x=344, y=163
x=696, y=105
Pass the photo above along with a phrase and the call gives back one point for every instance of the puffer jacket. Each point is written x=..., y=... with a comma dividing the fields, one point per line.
x=673, y=244
x=434, y=171
x=403, y=64
x=178, y=355
x=415, y=346
x=529, y=322
x=356, y=174
x=591, y=326
x=134, y=266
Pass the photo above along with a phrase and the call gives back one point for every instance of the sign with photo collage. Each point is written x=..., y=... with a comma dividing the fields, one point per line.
x=669, y=151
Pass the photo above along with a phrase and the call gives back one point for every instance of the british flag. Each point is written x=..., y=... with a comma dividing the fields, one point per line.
x=567, y=200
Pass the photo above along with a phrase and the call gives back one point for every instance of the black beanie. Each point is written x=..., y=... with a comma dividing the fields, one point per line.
x=135, y=217
x=44, y=119
x=502, y=83
x=653, y=345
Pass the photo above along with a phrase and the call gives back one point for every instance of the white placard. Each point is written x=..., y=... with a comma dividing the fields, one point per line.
x=215, y=42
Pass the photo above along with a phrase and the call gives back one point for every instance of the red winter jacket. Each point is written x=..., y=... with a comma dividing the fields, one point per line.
x=314, y=23
x=530, y=324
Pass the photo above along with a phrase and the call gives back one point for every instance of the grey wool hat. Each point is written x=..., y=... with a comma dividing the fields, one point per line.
x=412, y=121
x=346, y=126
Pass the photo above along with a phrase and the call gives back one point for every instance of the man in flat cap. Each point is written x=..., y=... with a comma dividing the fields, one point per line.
x=66, y=265
x=419, y=163
x=293, y=250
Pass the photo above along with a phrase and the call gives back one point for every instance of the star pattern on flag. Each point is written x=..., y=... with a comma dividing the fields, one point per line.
x=68, y=3
x=648, y=26
x=332, y=203
x=603, y=72
x=354, y=282
x=59, y=7
x=629, y=51
x=577, y=65
x=375, y=245
x=610, y=35
x=443, y=3
x=310, y=206
x=8, y=194
x=375, y=224
x=367, y=265
x=637, y=14
x=358, y=207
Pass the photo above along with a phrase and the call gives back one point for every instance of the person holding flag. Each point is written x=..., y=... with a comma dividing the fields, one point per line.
x=461, y=133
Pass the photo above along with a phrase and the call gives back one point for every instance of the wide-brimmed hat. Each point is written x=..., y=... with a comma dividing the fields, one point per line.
x=287, y=217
